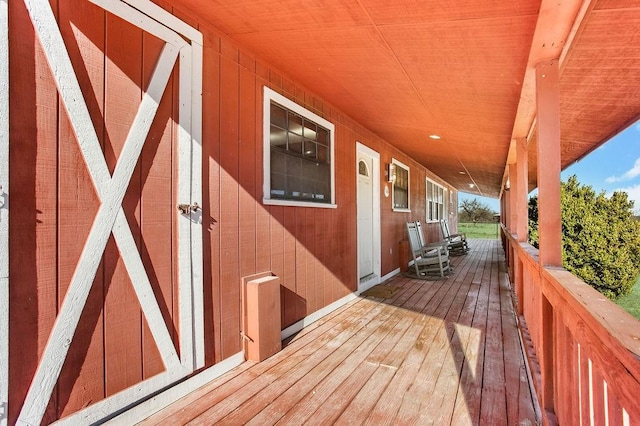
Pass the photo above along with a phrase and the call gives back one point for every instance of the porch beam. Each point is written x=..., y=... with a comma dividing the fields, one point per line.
x=556, y=29
x=548, y=106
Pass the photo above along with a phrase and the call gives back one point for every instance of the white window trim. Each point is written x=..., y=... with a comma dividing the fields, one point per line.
x=445, y=208
x=270, y=95
x=393, y=195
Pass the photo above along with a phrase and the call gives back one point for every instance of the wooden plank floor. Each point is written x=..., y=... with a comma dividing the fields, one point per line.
x=436, y=352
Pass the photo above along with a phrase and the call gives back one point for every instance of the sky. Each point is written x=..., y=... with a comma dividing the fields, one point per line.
x=615, y=166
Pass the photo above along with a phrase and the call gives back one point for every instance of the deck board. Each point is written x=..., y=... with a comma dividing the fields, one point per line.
x=443, y=352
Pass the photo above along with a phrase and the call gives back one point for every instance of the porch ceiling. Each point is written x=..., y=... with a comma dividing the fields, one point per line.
x=459, y=69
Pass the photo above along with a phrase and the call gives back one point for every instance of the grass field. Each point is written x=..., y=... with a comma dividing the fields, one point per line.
x=479, y=230
x=631, y=302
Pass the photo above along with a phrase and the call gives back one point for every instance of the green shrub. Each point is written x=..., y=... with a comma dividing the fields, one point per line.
x=600, y=238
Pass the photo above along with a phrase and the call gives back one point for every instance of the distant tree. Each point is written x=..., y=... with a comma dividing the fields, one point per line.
x=475, y=211
x=600, y=238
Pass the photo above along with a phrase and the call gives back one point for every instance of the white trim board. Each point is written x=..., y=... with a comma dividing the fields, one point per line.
x=165, y=18
x=396, y=163
x=390, y=275
x=319, y=314
x=4, y=211
x=164, y=399
x=310, y=319
x=367, y=284
x=197, y=261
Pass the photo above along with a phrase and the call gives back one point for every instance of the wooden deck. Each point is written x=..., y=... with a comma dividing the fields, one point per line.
x=435, y=352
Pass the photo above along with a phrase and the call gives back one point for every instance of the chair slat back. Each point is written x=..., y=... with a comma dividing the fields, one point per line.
x=421, y=239
x=444, y=225
x=414, y=238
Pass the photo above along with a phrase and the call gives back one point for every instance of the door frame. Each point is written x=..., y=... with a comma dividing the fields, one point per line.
x=4, y=211
x=377, y=234
x=185, y=43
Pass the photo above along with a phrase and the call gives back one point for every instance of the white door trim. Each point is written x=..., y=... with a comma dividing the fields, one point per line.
x=110, y=217
x=4, y=211
x=377, y=235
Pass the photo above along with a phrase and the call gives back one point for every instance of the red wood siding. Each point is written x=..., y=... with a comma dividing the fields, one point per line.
x=312, y=250
x=77, y=206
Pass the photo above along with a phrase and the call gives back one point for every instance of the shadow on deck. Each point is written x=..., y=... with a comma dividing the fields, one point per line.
x=434, y=352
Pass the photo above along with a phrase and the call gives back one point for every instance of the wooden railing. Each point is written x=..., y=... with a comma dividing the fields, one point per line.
x=582, y=349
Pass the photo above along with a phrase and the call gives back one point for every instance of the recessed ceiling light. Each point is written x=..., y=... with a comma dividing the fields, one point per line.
x=462, y=173
x=471, y=185
x=434, y=137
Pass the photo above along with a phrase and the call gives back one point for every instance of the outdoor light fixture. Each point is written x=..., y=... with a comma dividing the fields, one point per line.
x=391, y=172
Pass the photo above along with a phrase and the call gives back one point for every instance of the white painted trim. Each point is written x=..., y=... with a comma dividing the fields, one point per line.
x=270, y=202
x=4, y=211
x=377, y=239
x=197, y=261
x=106, y=408
x=271, y=95
x=141, y=20
x=390, y=275
x=319, y=314
x=165, y=18
x=185, y=279
x=151, y=406
x=366, y=285
x=393, y=184
x=310, y=319
x=445, y=214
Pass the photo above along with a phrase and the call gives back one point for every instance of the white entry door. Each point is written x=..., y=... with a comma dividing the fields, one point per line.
x=368, y=191
x=365, y=216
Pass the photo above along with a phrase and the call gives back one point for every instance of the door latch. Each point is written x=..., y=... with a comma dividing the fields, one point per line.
x=188, y=208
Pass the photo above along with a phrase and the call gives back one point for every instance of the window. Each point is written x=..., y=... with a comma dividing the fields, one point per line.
x=298, y=154
x=435, y=202
x=362, y=169
x=400, y=179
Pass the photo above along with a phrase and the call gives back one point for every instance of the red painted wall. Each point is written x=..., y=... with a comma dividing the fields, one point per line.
x=313, y=250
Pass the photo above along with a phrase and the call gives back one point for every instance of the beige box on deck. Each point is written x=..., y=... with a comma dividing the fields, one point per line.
x=263, y=318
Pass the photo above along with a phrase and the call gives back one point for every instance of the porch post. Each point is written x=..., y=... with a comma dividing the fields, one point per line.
x=521, y=188
x=507, y=210
x=549, y=213
x=548, y=129
x=513, y=199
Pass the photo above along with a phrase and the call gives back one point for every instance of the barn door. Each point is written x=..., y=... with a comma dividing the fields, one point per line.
x=126, y=225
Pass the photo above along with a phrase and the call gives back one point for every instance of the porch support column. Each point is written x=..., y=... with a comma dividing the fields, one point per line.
x=548, y=129
x=520, y=192
x=521, y=189
x=513, y=199
x=549, y=213
x=507, y=210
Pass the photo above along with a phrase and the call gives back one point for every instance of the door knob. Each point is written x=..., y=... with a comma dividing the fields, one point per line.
x=188, y=208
